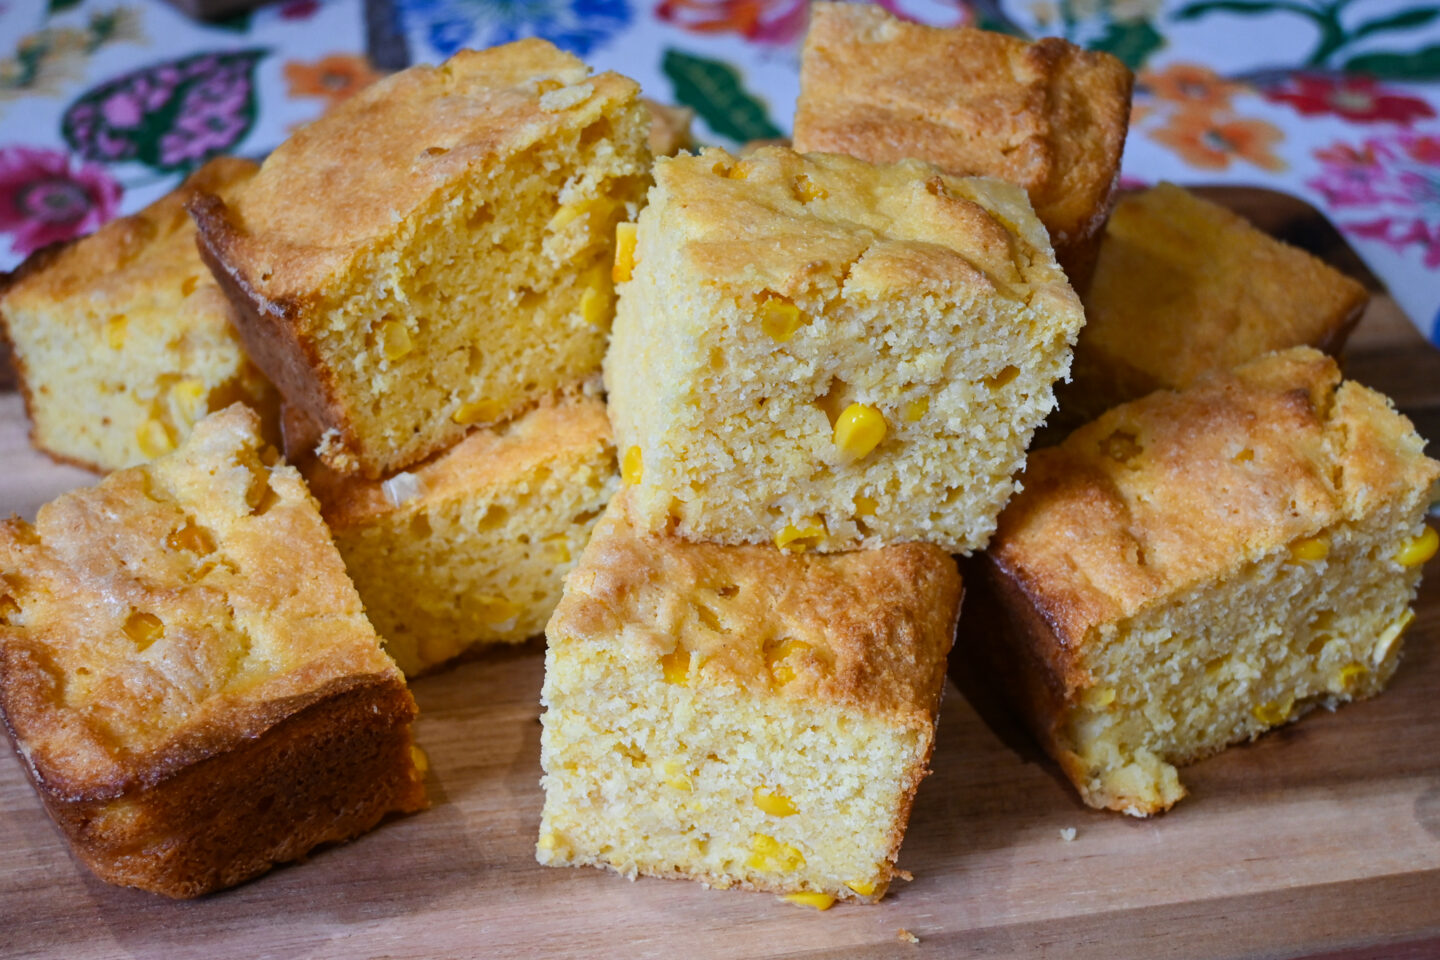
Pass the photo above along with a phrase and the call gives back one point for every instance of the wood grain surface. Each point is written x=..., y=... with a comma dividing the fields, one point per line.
x=1322, y=839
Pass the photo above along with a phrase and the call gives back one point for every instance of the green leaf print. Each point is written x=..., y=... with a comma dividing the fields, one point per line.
x=1131, y=41
x=1423, y=64
x=715, y=91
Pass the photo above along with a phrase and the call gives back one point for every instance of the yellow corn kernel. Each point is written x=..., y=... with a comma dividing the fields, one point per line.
x=632, y=467
x=144, y=629
x=557, y=547
x=741, y=171
x=777, y=659
x=478, y=411
x=1276, y=711
x=1244, y=456
x=419, y=758
x=866, y=506
x=780, y=318
x=188, y=285
x=8, y=608
x=566, y=213
x=774, y=802
x=1309, y=550
x=675, y=666
x=595, y=306
x=189, y=396
x=820, y=901
x=115, y=331
x=865, y=888
x=496, y=610
x=916, y=409
x=1350, y=674
x=1098, y=697
x=192, y=538
x=798, y=539
x=676, y=777
x=1387, y=639
x=807, y=190
x=858, y=430
x=1420, y=549
x=394, y=340
x=548, y=841
x=154, y=438
x=624, y=252
x=767, y=853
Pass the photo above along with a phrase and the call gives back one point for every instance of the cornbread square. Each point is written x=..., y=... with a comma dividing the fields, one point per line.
x=1048, y=116
x=471, y=547
x=1184, y=286
x=190, y=709
x=123, y=340
x=435, y=252
x=669, y=128
x=738, y=716
x=832, y=354
x=1195, y=568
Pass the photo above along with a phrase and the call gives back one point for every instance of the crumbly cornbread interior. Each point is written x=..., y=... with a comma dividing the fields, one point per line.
x=472, y=546
x=124, y=338
x=776, y=298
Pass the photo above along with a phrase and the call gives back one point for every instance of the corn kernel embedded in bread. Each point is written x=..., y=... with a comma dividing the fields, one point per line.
x=795, y=786
x=675, y=666
x=477, y=227
x=474, y=547
x=144, y=629
x=865, y=506
x=807, y=536
x=115, y=331
x=766, y=351
x=624, y=252
x=819, y=901
x=395, y=340
x=632, y=468
x=1217, y=597
x=808, y=190
x=915, y=410
x=154, y=439
x=192, y=538
x=1418, y=550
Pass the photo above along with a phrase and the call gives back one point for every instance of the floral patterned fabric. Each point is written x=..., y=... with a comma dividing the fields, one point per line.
x=105, y=104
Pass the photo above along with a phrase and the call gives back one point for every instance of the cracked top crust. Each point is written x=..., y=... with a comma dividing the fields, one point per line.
x=781, y=221
x=1176, y=489
x=145, y=624
x=1048, y=116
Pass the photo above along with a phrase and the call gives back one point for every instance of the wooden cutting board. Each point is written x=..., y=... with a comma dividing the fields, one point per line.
x=1322, y=839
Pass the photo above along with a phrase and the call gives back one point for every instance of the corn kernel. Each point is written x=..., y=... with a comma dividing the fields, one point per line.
x=624, y=252
x=777, y=659
x=594, y=306
x=478, y=411
x=154, y=439
x=394, y=340
x=916, y=409
x=741, y=171
x=115, y=331
x=1244, y=456
x=1388, y=638
x=594, y=208
x=675, y=666
x=144, y=629
x=866, y=506
x=676, y=776
x=632, y=467
x=419, y=758
x=188, y=285
x=1420, y=549
x=865, y=888
x=1309, y=550
x=767, y=853
x=496, y=610
x=8, y=608
x=1097, y=697
x=189, y=396
x=858, y=430
x=191, y=538
x=1349, y=675
x=774, y=802
x=1276, y=711
x=548, y=841
x=798, y=539
x=807, y=190
x=780, y=318
x=820, y=901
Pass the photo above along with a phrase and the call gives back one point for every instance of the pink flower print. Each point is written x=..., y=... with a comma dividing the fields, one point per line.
x=45, y=199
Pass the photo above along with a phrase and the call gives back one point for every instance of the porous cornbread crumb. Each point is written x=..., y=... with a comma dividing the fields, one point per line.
x=1184, y=287
x=123, y=339
x=191, y=709
x=434, y=253
x=471, y=547
x=829, y=354
x=1194, y=568
x=1048, y=116
x=738, y=716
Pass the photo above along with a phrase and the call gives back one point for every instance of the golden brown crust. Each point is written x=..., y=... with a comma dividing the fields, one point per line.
x=875, y=624
x=1047, y=116
x=1125, y=511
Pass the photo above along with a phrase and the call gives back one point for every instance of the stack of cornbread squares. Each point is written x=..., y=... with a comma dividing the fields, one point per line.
x=822, y=371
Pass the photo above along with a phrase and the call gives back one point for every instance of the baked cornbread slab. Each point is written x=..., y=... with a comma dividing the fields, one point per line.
x=738, y=716
x=435, y=253
x=1195, y=568
x=187, y=675
x=1183, y=287
x=832, y=354
x=471, y=547
x=669, y=128
x=1048, y=116
x=123, y=340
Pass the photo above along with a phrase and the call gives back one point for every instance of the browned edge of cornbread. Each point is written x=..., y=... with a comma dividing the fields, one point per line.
x=269, y=329
x=230, y=805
